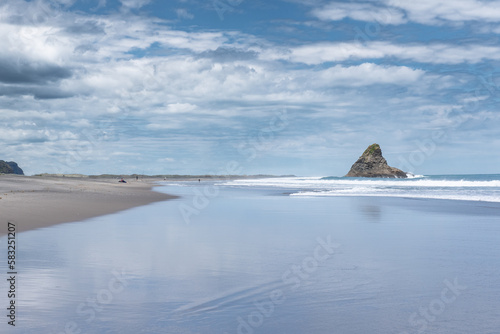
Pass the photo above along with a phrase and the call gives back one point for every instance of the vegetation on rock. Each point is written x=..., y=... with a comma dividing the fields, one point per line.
x=372, y=164
x=10, y=167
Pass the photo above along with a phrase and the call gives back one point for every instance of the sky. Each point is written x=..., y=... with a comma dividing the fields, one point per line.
x=249, y=86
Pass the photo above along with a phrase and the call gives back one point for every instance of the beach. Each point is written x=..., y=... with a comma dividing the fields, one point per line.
x=40, y=201
x=248, y=257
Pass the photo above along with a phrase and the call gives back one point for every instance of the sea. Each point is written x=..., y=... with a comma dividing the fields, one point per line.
x=271, y=255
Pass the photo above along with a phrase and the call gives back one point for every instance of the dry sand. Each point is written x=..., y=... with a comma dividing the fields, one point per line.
x=34, y=202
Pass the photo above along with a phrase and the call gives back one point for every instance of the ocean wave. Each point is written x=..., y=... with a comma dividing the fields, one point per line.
x=317, y=182
x=357, y=193
x=472, y=188
x=413, y=176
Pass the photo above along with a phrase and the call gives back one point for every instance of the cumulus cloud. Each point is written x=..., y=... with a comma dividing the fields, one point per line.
x=100, y=83
x=25, y=71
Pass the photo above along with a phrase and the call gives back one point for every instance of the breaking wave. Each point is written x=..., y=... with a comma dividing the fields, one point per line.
x=452, y=187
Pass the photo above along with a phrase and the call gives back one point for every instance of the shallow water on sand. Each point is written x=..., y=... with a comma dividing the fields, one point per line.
x=231, y=260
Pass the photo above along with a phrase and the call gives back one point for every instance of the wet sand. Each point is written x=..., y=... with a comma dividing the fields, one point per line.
x=34, y=202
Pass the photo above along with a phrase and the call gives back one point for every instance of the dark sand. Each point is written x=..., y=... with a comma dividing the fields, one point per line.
x=33, y=202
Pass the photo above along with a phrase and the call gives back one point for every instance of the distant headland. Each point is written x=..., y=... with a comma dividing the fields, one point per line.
x=372, y=164
x=10, y=167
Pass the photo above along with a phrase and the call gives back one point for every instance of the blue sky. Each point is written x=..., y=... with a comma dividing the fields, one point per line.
x=272, y=87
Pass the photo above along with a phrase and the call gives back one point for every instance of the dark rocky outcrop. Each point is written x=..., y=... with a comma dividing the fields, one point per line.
x=372, y=164
x=10, y=167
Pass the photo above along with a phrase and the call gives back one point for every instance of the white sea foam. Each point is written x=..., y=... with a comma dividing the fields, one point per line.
x=418, y=186
x=413, y=176
x=356, y=192
x=318, y=182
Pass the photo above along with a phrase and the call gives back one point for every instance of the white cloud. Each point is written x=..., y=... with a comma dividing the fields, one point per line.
x=368, y=74
x=134, y=3
x=431, y=12
x=166, y=160
x=183, y=13
x=441, y=11
x=336, y=11
x=437, y=53
x=176, y=108
x=196, y=86
x=34, y=135
x=34, y=115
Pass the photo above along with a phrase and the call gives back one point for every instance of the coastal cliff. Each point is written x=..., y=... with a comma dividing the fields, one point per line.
x=372, y=164
x=10, y=167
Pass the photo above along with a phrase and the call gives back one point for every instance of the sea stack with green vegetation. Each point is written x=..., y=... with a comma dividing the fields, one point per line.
x=372, y=164
x=10, y=168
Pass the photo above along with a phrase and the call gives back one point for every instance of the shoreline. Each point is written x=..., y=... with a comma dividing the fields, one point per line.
x=33, y=202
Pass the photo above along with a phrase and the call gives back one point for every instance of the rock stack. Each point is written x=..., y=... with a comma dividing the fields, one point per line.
x=372, y=164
